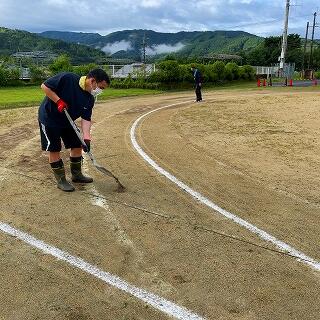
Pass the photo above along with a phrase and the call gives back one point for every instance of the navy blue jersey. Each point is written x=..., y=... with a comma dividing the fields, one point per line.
x=80, y=102
x=197, y=76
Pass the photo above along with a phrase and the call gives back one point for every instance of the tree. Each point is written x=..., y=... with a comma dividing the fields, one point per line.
x=219, y=69
x=246, y=72
x=84, y=69
x=232, y=70
x=170, y=71
x=3, y=79
x=316, y=59
x=269, y=51
x=8, y=76
x=211, y=74
x=37, y=74
x=62, y=63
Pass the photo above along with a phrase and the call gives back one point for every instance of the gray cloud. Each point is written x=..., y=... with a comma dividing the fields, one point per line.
x=117, y=46
x=164, y=48
x=255, y=16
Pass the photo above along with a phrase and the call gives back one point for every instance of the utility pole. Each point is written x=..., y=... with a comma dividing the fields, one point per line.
x=304, y=49
x=284, y=38
x=144, y=44
x=311, y=48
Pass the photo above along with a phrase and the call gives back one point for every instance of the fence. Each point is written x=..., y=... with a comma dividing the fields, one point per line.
x=115, y=71
x=25, y=74
x=133, y=70
x=275, y=71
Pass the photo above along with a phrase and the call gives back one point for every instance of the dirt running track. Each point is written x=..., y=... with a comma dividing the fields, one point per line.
x=254, y=154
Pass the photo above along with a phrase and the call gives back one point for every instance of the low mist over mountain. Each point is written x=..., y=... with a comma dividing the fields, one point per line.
x=129, y=43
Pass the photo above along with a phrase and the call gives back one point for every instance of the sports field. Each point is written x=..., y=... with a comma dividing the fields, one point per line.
x=219, y=220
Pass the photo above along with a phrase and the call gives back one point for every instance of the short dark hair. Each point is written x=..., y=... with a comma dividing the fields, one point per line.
x=99, y=75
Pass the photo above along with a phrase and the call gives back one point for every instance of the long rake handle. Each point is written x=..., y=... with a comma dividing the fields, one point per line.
x=75, y=128
x=89, y=153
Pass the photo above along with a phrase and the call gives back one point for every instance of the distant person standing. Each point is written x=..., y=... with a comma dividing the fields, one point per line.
x=69, y=91
x=198, y=82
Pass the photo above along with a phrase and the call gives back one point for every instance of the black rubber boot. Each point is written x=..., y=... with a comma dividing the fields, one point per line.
x=77, y=176
x=59, y=173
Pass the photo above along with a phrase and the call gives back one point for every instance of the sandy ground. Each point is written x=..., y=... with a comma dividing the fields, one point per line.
x=255, y=154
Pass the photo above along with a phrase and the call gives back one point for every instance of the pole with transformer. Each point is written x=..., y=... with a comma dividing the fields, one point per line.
x=304, y=50
x=144, y=44
x=284, y=38
x=312, y=39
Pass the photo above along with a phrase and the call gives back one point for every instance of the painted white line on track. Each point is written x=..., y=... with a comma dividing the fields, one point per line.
x=157, y=302
x=98, y=200
x=284, y=247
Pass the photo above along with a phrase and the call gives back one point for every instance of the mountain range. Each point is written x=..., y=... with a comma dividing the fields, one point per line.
x=130, y=43
x=127, y=44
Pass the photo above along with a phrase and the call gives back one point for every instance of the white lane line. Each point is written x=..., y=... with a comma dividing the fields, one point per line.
x=3, y=174
x=284, y=247
x=157, y=302
x=99, y=201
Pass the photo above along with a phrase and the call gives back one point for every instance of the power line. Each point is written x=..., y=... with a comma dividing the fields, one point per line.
x=267, y=21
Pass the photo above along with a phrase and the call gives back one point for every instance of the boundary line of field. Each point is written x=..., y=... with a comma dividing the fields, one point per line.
x=154, y=300
x=284, y=247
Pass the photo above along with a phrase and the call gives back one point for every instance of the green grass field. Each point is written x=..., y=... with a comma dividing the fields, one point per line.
x=19, y=97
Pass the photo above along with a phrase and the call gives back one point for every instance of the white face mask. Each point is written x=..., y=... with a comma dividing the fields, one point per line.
x=95, y=92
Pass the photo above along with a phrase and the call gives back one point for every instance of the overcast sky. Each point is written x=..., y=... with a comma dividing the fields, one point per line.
x=260, y=17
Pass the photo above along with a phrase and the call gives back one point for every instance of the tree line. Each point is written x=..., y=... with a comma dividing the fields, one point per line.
x=268, y=52
x=174, y=72
x=169, y=74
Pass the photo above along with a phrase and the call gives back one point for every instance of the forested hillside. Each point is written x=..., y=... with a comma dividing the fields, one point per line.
x=12, y=41
x=128, y=43
x=182, y=46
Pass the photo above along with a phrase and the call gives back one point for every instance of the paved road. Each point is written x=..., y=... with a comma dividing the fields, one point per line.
x=296, y=83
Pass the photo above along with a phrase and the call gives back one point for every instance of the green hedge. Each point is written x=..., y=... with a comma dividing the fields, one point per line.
x=169, y=74
x=134, y=83
x=8, y=77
